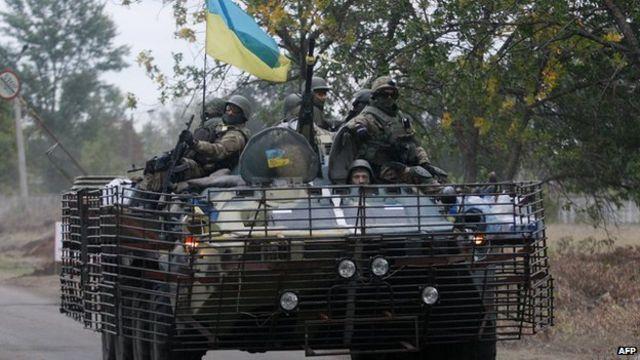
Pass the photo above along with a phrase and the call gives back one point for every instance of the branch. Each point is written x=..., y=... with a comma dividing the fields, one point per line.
x=629, y=35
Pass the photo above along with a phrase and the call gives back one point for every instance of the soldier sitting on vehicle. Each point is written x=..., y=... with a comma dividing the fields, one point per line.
x=320, y=90
x=360, y=173
x=222, y=149
x=214, y=147
x=213, y=111
x=360, y=100
x=383, y=136
x=291, y=107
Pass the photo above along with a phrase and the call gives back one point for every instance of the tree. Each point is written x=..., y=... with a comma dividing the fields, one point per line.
x=547, y=88
x=8, y=161
x=70, y=44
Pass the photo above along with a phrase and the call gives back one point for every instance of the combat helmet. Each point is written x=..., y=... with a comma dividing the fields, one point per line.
x=317, y=83
x=290, y=103
x=243, y=103
x=383, y=82
x=362, y=96
x=214, y=108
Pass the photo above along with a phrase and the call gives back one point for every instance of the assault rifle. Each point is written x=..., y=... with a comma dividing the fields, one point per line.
x=305, y=118
x=176, y=154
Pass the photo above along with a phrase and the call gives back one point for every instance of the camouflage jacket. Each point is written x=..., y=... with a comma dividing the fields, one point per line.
x=390, y=138
x=225, y=149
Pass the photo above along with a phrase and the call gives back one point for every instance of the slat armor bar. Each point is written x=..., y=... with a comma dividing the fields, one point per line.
x=210, y=271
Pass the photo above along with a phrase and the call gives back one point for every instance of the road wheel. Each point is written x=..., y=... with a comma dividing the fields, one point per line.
x=140, y=343
x=108, y=346
x=161, y=325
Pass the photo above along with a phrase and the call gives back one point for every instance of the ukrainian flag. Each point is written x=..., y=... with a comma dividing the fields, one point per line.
x=234, y=37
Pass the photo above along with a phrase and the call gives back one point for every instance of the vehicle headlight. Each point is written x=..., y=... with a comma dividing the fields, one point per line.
x=430, y=295
x=380, y=266
x=347, y=269
x=191, y=243
x=288, y=301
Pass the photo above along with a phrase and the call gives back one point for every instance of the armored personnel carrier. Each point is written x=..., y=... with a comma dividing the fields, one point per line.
x=286, y=256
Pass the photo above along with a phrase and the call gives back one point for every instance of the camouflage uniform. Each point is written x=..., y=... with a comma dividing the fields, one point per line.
x=386, y=136
x=214, y=146
x=220, y=152
x=222, y=145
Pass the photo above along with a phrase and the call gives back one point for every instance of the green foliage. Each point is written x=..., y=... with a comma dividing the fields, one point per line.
x=61, y=49
x=518, y=87
x=8, y=160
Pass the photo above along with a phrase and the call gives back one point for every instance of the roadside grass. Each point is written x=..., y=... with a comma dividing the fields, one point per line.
x=597, y=295
x=14, y=265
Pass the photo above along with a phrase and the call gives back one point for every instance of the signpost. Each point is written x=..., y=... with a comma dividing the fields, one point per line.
x=9, y=90
x=9, y=84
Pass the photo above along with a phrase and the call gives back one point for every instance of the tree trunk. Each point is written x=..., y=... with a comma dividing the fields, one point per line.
x=629, y=35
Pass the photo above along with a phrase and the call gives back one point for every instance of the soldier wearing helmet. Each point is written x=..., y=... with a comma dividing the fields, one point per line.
x=361, y=99
x=223, y=147
x=360, y=173
x=291, y=107
x=320, y=90
x=384, y=136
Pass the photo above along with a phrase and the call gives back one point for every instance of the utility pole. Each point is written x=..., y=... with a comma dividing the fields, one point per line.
x=22, y=162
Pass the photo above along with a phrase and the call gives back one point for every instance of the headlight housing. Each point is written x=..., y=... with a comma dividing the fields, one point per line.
x=347, y=269
x=380, y=266
x=430, y=295
x=289, y=301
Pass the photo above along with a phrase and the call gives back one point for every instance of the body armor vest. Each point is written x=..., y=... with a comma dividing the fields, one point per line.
x=394, y=140
x=216, y=133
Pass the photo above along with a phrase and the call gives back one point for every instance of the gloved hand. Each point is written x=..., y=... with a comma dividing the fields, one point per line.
x=361, y=132
x=419, y=175
x=187, y=137
x=435, y=171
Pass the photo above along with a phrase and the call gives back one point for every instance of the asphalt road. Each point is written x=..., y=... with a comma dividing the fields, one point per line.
x=32, y=328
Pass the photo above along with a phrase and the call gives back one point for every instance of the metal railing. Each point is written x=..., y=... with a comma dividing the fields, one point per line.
x=209, y=271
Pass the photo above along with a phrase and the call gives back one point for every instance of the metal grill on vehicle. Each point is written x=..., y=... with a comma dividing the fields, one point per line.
x=216, y=271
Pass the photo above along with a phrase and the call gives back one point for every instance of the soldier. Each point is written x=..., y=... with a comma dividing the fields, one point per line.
x=360, y=100
x=383, y=136
x=291, y=107
x=222, y=149
x=320, y=90
x=360, y=173
x=211, y=118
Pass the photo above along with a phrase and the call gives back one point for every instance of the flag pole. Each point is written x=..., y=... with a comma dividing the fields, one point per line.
x=204, y=72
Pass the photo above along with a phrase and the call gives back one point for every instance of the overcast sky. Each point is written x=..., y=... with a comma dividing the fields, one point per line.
x=148, y=25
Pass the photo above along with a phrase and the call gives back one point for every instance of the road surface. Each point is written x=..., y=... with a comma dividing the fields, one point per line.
x=32, y=328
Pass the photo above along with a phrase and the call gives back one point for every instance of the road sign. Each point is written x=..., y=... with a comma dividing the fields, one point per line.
x=9, y=84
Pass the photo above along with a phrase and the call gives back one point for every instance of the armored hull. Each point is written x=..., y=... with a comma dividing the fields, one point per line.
x=263, y=268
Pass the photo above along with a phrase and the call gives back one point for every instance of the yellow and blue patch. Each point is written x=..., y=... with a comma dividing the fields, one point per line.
x=276, y=158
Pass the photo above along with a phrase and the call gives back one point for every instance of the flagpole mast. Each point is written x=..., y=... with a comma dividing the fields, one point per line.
x=204, y=72
x=204, y=86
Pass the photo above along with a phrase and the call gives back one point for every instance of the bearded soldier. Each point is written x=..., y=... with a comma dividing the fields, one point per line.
x=384, y=137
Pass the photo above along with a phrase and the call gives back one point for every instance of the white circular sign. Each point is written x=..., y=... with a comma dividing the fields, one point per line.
x=9, y=84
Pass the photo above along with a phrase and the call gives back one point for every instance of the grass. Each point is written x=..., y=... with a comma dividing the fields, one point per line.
x=13, y=265
x=597, y=291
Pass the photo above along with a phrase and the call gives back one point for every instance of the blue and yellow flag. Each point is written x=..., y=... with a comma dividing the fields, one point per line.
x=234, y=37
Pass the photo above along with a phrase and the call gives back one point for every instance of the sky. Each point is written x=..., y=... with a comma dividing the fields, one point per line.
x=148, y=25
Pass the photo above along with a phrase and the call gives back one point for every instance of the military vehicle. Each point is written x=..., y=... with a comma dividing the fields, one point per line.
x=282, y=254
